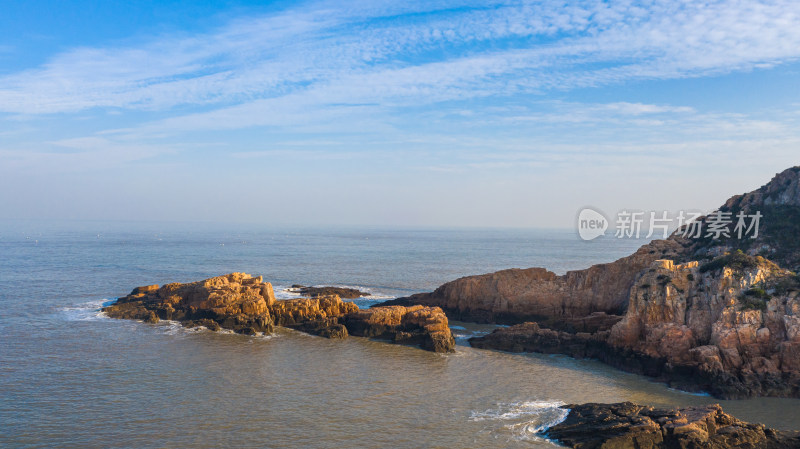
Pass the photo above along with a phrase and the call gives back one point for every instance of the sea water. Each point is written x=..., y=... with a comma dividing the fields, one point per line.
x=71, y=377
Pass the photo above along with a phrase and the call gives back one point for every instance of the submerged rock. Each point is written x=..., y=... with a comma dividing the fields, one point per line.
x=342, y=292
x=247, y=305
x=627, y=425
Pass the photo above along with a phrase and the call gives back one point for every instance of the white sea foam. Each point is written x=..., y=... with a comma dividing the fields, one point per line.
x=172, y=327
x=285, y=292
x=464, y=334
x=87, y=311
x=525, y=420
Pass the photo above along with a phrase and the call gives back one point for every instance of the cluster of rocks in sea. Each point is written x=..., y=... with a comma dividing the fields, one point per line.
x=630, y=426
x=247, y=305
x=721, y=316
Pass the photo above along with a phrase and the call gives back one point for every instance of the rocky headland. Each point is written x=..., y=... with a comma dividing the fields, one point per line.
x=703, y=314
x=247, y=305
x=628, y=426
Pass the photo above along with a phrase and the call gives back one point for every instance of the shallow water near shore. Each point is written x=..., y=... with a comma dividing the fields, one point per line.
x=70, y=377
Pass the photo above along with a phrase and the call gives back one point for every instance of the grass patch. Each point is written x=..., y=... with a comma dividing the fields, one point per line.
x=663, y=280
x=755, y=299
x=737, y=261
x=779, y=228
x=786, y=284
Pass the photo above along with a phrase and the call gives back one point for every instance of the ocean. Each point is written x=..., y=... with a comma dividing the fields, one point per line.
x=71, y=377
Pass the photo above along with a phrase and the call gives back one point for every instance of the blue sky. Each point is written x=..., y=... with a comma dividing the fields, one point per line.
x=435, y=113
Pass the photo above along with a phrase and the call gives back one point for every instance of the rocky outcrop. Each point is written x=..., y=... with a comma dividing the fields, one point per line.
x=342, y=292
x=418, y=325
x=318, y=316
x=291, y=312
x=247, y=305
x=627, y=425
x=235, y=301
x=730, y=327
x=579, y=301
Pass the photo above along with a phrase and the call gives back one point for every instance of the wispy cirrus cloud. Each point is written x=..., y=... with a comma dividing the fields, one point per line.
x=390, y=55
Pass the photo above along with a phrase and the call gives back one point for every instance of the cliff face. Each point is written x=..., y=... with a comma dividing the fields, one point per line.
x=247, y=305
x=730, y=326
x=735, y=323
x=581, y=300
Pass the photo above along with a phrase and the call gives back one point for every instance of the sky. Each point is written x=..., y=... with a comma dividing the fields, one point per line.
x=415, y=113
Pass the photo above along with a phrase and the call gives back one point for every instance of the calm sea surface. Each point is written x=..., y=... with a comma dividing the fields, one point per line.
x=70, y=377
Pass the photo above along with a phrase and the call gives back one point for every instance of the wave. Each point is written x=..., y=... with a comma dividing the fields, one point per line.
x=87, y=311
x=172, y=327
x=526, y=420
x=92, y=311
x=285, y=292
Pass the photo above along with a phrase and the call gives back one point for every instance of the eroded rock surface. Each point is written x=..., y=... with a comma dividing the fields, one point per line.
x=628, y=426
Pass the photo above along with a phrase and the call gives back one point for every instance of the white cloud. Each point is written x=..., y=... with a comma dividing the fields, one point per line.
x=411, y=54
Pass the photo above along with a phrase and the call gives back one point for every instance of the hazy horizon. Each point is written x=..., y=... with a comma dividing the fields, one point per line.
x=420, y=114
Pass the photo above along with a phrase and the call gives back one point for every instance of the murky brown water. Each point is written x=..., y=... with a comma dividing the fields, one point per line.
x=162, y=386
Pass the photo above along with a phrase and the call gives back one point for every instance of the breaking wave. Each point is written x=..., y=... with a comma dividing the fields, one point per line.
x=526, y=420
x=87, y=311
